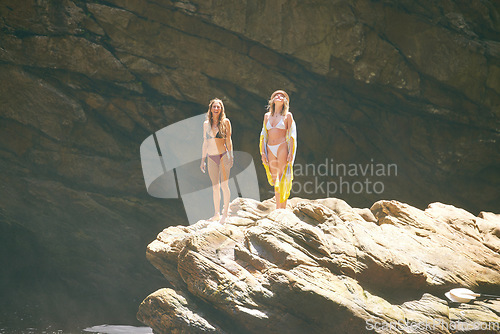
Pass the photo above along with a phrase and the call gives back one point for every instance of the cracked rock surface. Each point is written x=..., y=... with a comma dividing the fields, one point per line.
x=320, y=267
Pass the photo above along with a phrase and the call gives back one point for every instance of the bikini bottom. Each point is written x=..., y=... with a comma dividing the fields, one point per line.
x=274, y=148
x=217, y=158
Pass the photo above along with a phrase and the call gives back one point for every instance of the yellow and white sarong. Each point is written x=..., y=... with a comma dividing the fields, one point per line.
x=284, y=184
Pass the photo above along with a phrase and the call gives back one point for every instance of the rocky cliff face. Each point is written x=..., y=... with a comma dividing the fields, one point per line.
x=324, y=267
x=410, y=83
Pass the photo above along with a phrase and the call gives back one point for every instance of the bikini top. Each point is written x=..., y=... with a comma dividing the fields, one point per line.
x=280, y=125
x=218, y=135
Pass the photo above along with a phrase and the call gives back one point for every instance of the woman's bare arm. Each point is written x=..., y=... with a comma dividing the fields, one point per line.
x=229, y=140
x=204, y=148
x=289, y=122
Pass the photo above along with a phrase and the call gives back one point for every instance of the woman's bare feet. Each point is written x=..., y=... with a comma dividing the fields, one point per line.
x=223, y=219
x=224, y=215
x=215, y=217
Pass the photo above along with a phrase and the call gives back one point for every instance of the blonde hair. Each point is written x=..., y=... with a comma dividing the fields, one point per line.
x=222, y=117
x=286, y=103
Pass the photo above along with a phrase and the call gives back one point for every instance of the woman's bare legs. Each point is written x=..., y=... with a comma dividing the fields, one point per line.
x=213, y=172
x=276, y=167
x=224, y=177
x=219, y=175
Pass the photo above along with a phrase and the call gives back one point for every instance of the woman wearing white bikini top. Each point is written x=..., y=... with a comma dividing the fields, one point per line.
x=278, y=146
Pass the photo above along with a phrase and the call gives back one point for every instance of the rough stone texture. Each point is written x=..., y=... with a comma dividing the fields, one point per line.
x=319, y=267
x=170, y=311
x=411, y=83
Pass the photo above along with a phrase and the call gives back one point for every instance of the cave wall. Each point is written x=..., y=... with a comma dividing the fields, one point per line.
x=410, y=83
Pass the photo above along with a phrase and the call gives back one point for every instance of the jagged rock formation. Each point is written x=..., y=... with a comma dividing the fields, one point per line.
x=411, y=83
x=320, y=267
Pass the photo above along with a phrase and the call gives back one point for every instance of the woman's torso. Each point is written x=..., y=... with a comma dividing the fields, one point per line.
x=216, y=140
x=276, y=129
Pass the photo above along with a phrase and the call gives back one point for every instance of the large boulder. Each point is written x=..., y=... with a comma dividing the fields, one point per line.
x=319, y=267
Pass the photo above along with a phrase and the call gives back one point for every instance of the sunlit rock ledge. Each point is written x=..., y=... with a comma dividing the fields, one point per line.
x=321, y=266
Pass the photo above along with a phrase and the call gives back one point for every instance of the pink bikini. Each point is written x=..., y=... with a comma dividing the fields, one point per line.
x=216, y=157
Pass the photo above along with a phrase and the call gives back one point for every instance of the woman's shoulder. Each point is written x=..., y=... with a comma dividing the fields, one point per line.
x=289, y=116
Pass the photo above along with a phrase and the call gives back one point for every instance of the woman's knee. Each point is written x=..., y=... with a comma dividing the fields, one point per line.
x=226, y=192
x=274, y=177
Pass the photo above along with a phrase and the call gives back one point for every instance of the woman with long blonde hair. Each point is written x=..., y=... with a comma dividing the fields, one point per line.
x=218, y=146
x=278, y=146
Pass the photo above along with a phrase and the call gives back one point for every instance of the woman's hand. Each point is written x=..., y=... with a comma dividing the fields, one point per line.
x=203, y=165
x=289, y=158
x=264, y=159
